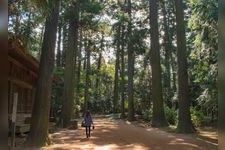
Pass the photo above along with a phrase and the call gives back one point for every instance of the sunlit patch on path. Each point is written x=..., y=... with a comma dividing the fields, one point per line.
x=118, y=135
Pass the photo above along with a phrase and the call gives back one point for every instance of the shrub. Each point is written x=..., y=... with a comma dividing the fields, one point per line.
x=171, y=115
x=197, y=117
x=147, y=114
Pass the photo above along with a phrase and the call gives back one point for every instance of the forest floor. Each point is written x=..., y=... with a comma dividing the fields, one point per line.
x=110, y=134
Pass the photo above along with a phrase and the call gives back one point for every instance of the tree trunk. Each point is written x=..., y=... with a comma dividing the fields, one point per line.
x=99, y=69
x=79, y=55
x=158, y=118
x=85, y=54
x=98, y=76
x=58, y=56
x=65, y=44
x=144, y=86
x=76, y=11
x=131, y=58
x=69, y=78
x=38, y=135
x=184, y=119
x=168, y=55
x=116, y=76
x=87, y=78
x=122, y=74
x=5, y=88
x=40, y=42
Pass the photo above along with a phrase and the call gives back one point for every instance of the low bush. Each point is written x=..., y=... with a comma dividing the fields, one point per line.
x=171, y=115
x=197, y=117
x=147, y=114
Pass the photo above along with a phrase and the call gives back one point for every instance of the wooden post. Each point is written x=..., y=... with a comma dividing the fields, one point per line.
x=14, y=111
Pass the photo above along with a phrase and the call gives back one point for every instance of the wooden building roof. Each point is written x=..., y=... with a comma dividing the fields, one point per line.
x=23, y=68
x=16, y=52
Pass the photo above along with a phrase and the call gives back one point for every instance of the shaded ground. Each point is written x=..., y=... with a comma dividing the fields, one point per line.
x=121, y=135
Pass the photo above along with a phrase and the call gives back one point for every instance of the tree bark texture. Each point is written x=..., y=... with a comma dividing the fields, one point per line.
x=69, y=78
x=116, y=75
x=122, y=74
x=87, y=78
x=38, y=135
x=131, y=58
x=158, y=119
x=184, y=119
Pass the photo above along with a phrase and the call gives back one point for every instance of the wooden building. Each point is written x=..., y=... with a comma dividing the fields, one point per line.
x=22, y=79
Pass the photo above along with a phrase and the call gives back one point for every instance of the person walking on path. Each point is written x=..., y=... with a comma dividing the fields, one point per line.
x=88, y=122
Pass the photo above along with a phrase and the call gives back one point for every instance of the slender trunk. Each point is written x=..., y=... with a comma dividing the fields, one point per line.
x=144, y=86
x=40, y=116
x=168, y=55
x=116, y=94
x=149, y=93
x=65, y=44
x=99, y=69
x=79, y=55
x=122, y=74
x=58, y=56
x=131, y=60
x=76, y=11
x=184, y=117
x=158, y=118
x=172, y=33
x=174, y=81
x=98, y=76
x=85, y=55
x=87, y=78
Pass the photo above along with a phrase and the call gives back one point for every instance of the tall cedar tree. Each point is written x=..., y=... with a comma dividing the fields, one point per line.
x=38, y=135
x=122, y=73
x=168, y=55
x=130, y=68
x=184, y=119
x=88, y=73
x=158, y=119
x=99, y=65
x=116, y=81
x=69, y=85
x=79, y=56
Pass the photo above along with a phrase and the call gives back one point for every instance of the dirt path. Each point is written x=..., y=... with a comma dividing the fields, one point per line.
x=121, y=135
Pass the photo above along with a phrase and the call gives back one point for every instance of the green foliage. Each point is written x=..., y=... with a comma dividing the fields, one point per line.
x=147, y=114
x=197, y=117
x=24, y=25
x=204, y=51
x=57, y=88
x=89, y=10
x=171, y=115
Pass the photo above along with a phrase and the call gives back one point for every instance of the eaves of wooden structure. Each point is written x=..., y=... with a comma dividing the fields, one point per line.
x=22, y=79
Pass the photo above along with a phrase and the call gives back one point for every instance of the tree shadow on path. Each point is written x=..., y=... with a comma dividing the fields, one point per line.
x=121, y=135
